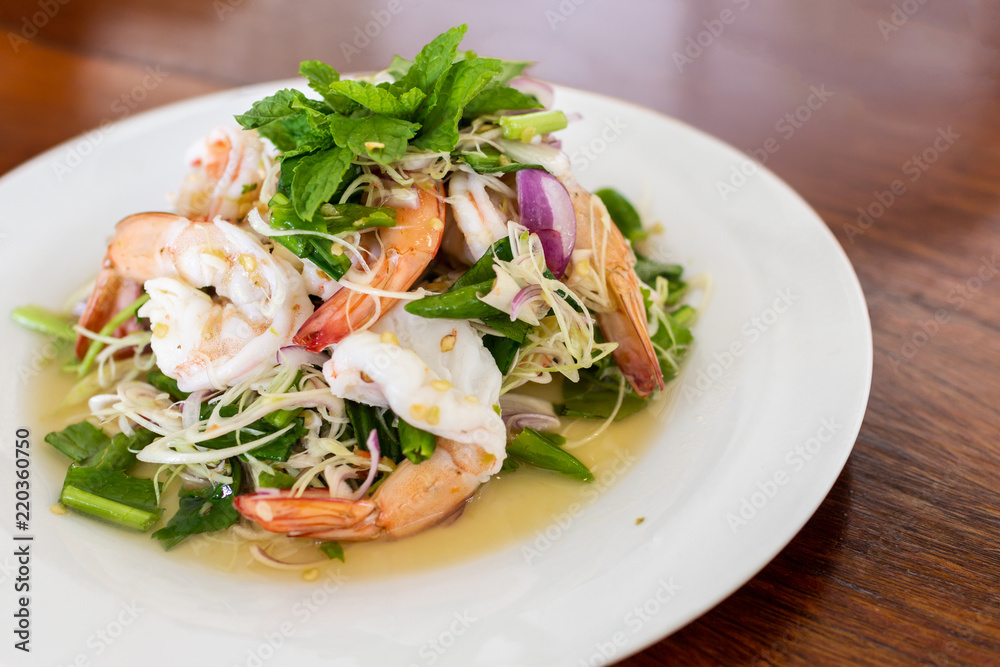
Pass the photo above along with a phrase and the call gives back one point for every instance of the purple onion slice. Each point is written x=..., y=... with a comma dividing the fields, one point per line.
x=547, y=210
x=542, y=91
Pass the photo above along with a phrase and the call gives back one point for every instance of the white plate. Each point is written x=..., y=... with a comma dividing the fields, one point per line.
x=772, y=399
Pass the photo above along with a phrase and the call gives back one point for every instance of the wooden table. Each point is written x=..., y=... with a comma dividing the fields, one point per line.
x=900, y=564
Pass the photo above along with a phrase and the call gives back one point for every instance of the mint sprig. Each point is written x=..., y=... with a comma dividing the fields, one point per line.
x=323, y=141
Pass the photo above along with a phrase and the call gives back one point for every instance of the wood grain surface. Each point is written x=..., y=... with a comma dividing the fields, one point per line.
x=901, y=564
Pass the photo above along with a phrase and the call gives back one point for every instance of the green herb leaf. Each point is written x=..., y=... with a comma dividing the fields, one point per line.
x=332, y=550
x=623, y=214
x=202, y=511
x=504, y=351
x=79, y=441
x=649, y=270
x=316, y=179
x=382, y=138
x=495, y=98
x=111, y=495
x=483, y=269
x=595, y=397
x=270, y=109
x=120, y=453
x=279, y=480
x=432, y=61
x=168, y=385
x=321, y=79
x=365, y=419
x=380, y=100
x=452, y=92
x=417, y=444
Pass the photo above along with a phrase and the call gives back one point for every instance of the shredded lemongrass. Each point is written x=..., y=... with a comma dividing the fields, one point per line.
x=166, y=450
x=564, y=341
x=418, y=293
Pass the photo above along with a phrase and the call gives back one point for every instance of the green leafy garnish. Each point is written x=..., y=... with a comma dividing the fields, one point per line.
x=112, y=496
x=623, y=214
x=327, y=143
x=78, y=441
x=202, y=511
x=417, y=444
x=332, y=550
x=168, y=385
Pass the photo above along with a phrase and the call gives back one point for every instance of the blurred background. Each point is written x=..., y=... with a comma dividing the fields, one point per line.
x=840, y=99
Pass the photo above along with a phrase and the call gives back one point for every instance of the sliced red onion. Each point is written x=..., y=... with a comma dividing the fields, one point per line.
x=547, y=210
x=525, y=295
x=296, y=355
x=519, y=412
x=542, y=91
x=544, y=155
x=376, y=455
x=336, y=480
x=267, y=559
x=191, y=412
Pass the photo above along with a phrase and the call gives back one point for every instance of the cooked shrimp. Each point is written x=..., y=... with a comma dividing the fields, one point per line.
x=412, y=498
x=623, y=317
x=228, y=168
x=434, y=374
x=404, y=253
x=112, y=294
x=478, y=214
x=201, y=342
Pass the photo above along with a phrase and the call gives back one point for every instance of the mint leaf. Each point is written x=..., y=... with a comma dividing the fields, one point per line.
x=434, y=59
x=495, y=98
x=398, y=68
x=512, y=69
x=452, y=92
x=269, y=109
x=382, y=138
x=379, y=99
x=317, y=177
x=289, y=120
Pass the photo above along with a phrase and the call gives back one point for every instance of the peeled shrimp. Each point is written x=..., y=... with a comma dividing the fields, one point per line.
x=623, y=318
x=228, y=169
x=437, y=376
x=201, y=341
x=476, y=215
x=404, y=253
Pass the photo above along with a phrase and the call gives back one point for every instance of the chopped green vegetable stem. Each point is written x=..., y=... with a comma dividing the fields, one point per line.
x=109, y=510
x=528, y=125
x=44, y=321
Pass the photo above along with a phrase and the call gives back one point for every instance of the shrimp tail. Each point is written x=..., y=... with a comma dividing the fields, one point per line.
x=413, y=498
x=344, y=312
x=637, y=360
x=313, y=514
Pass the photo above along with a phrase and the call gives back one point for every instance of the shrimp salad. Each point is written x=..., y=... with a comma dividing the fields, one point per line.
x=331, y=336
